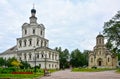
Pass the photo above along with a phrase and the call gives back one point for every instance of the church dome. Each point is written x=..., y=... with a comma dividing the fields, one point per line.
x=100, y=35
x=33, y=11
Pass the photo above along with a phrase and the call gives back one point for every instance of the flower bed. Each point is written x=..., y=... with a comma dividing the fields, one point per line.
x=22, y=72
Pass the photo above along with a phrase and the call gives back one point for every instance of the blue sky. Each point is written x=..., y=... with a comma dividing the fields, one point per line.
x=69, y=23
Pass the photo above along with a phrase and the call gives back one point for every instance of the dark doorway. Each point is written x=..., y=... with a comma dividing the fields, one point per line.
x=99, y=63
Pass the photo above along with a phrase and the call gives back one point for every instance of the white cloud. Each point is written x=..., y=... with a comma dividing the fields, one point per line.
x=70, y=24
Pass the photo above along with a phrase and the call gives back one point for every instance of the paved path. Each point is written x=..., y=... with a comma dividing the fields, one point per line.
x=67, y=74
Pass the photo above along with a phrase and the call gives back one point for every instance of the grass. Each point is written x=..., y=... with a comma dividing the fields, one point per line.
x=21, y=76
x=7, y=73
x=39, y=73
x=53, y=70
x=118, y=70
x=90, y=70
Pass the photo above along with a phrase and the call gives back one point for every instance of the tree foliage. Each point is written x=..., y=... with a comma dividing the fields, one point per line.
x=63, y=57
x=85, y=57
x=24, y=65
x=9, y=61
x=16, y=63
x=77, y=58
x=2, y=61
x=13, y=62
x=112, y=32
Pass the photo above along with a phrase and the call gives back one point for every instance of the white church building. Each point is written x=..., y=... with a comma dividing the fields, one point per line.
x=33, y=46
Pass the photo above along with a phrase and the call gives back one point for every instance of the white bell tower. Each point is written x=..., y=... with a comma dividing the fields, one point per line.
x=33, y=34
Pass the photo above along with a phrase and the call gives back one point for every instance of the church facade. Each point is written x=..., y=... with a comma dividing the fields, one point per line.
x=33, y=46
x=101, y=57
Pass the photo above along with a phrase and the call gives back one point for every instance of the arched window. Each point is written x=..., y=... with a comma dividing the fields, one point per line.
x=20, y=43
x=108, y=59
x=42, y=55
x=100, y=41
x=30, y=42
x=91, y=60
x=53, y=56
x=41, y=32
x=100, y=53
x=25, y=31
x=37, y=42
x=38, y=56
x=49, y=55
x=25, y=56
x=30, y=56
x=41, y=43
x=33, y=31
x=45, y=43
x=97, y=41
x=25, y=42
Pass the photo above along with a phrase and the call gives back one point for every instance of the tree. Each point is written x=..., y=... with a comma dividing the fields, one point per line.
x=85, y=57
x=63, y=57
x=16, y=63
x=59, y=49
x=118, y=53
x=76, y=58
x=2, y=62
x=24, y=65
x=112, y=32
x=9, y=61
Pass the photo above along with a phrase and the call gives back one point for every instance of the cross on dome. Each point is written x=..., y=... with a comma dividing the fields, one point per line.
x=33, y=11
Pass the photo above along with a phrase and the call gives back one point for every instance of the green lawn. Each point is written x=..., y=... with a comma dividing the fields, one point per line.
x=21, y=76
x=40, y=73
x=90, y=70
x=53, y=70
x=6, y=73
x=118, y=70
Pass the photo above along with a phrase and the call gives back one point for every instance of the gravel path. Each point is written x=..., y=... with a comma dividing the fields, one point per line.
x=67, y=74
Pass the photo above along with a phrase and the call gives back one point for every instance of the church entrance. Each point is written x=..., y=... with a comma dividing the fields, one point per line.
x=99, y=62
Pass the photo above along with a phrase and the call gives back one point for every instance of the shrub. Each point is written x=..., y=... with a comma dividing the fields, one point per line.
x=1, y=70
x=94, y=67
x=38, y=67
x=118, y=70
x=8, y=70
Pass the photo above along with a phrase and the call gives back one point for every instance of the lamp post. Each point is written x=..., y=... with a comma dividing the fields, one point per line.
x=45, y=64
x=35, y=59
x=5, y=62
x=45, y=60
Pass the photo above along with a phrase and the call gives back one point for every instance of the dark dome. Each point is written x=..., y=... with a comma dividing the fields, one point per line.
x=100, y=35
x=33, y=11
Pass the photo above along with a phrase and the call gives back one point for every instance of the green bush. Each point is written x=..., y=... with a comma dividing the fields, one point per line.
x=118, y=70
x=8, y=70
x=94, y=67
x=5, y=71
x=1, y=70
x=12, y=69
